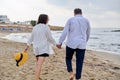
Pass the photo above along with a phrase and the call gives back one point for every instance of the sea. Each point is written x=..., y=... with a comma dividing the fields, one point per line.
x=101, y=39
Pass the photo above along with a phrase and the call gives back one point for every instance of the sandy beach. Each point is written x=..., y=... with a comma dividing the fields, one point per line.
x=97, y=65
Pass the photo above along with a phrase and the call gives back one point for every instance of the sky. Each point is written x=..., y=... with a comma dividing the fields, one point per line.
x=100, y=13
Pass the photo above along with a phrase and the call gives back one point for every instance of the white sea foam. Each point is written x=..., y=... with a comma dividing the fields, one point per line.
x=18, y=37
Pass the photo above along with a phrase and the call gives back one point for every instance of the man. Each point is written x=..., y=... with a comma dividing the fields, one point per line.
x=77, y=31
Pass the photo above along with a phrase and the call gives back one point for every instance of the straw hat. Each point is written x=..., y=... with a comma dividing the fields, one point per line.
x=21, y=58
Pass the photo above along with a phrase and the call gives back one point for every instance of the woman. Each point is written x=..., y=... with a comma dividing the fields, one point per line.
x=40, y=37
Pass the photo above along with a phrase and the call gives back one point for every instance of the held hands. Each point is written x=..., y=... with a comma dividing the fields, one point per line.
x=59, y=46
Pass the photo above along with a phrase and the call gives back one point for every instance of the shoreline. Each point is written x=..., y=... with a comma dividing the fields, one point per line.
x=99, y=50
x=110, y=54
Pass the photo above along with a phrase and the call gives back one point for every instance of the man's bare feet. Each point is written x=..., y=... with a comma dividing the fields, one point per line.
x=71, y=76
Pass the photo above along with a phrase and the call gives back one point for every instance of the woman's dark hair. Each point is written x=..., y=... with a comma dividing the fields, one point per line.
x=77, y=11
x=43, y=18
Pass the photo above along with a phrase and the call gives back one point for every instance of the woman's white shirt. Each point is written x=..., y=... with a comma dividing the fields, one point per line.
x=40, y=38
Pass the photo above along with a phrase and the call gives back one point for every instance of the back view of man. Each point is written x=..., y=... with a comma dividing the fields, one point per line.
x=77, y=31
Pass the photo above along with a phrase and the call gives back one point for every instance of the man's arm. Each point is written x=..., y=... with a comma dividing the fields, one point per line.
x=64, y=33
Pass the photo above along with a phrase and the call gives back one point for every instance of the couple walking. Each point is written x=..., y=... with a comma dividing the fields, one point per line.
x=77, y=31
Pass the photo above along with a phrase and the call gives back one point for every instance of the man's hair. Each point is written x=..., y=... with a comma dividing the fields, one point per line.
x=42, y=19
x=77, y=11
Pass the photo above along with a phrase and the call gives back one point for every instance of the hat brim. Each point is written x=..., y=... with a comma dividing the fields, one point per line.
x=23, y=59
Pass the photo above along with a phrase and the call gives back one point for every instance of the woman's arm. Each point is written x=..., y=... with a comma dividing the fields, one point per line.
x=49, y=36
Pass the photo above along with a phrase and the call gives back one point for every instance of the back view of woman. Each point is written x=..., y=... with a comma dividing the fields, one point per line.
x=40, y=38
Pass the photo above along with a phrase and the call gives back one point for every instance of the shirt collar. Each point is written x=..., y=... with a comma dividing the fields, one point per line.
x=78, y=15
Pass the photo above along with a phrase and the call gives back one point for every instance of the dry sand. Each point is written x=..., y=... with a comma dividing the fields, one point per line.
x=97, y=65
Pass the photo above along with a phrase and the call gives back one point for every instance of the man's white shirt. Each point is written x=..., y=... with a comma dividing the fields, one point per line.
x=77, y=31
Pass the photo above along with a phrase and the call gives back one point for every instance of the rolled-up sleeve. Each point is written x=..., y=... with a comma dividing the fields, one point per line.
x=49, y=36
